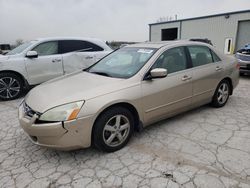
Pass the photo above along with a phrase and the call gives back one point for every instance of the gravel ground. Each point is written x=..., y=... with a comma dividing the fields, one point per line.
x=205, y=147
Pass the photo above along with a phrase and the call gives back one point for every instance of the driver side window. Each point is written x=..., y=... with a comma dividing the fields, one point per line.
x=173, y=60
x=47, y=48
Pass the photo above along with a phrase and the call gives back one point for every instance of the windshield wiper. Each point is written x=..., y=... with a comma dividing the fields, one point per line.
x=101, y=73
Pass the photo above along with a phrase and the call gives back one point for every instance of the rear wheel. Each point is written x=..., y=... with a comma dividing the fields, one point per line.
x=11, y=86
x=221, y=94
x=113, y=129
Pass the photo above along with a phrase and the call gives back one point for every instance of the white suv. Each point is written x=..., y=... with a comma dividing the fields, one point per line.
x=40, y=60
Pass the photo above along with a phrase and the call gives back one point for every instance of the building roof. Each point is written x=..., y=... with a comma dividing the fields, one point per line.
x=202, y=17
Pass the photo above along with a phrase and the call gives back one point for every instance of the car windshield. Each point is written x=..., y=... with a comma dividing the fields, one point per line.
x=20, y=48
x=123, y=63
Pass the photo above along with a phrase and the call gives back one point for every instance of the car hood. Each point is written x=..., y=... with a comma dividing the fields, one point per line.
x=7, y=58
x=71, y=88
x=4, y=58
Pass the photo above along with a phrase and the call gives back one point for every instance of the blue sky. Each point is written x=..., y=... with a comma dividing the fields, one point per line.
x=106, y=19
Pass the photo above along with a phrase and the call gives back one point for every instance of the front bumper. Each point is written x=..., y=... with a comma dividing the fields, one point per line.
x=244, y=66
x=59, y=135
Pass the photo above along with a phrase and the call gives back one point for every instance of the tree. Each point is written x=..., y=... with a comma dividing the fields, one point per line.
x=19, y=42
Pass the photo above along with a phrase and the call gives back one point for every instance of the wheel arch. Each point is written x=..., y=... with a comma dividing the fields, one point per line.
x=130, y=107
x=230, y=83
x=25, y=82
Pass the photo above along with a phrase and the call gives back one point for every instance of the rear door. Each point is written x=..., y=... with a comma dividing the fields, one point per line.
x=78, y=54
x=172, y=94
x=207, y=73
x=47, y=65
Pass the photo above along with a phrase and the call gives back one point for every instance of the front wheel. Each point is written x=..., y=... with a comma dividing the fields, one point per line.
x=221, y=94
x=113, y=129
x=11, y=86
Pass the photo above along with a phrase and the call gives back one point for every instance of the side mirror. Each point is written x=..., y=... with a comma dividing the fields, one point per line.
x=158, y=73
x=32, y=54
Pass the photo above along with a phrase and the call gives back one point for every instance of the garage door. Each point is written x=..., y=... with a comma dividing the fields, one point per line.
x=243, y=36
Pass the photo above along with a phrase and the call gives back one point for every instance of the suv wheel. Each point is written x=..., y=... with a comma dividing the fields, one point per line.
x=113, y=129
x=11, y=86
x=221, y=94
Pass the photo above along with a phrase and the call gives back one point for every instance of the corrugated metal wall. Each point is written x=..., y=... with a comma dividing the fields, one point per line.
x=217, y=29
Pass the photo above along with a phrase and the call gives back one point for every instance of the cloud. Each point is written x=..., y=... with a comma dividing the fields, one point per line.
x=108, y=20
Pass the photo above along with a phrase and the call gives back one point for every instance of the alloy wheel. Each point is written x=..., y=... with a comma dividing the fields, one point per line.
x=116, y=130
x=223, y=93
x=9, y=87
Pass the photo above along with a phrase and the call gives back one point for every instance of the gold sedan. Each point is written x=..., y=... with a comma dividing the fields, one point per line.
x=127, y=90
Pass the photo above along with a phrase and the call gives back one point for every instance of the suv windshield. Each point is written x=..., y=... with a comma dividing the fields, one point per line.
x=245, y=50
x=123, y=63
x=20, y=48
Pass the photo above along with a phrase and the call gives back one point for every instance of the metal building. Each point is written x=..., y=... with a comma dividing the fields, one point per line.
x=228, y=31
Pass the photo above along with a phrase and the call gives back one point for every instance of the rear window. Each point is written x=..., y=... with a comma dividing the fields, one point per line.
x=200, y=55
x=66, y=46
x=215, y=57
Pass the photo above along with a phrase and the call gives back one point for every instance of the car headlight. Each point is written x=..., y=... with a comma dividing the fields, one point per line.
x=64, y=112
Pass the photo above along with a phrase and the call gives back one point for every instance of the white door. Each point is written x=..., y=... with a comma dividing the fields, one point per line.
x=47, y=65
x=74, y=61
x=78, y=54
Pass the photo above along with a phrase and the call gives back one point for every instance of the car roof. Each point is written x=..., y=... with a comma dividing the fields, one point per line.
x=68, y=38
x=97, y=41
x=166, y=43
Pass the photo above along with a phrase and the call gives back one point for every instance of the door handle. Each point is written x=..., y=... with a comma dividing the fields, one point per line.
x=186, y=77
x=56, y=60
x=89, y=57
x=218, y=68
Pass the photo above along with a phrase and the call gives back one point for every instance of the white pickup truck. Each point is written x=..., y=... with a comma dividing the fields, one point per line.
x=40, y=60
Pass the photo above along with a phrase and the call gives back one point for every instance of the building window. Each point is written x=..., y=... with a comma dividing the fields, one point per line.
x=228, y=46
x=169, y=34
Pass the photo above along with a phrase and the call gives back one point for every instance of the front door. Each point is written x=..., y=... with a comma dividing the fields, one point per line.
x=169, y=95
x=47, y=65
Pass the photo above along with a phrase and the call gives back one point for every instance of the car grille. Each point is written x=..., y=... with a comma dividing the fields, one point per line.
x=243, y=57
x=28, y=111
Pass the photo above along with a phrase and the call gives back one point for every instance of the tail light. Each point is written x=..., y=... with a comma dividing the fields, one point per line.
x=237, y=66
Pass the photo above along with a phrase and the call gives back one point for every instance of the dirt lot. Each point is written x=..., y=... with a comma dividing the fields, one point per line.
x=206, y=147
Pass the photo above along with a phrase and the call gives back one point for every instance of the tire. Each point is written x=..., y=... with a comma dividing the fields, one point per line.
x=111, y=134
x=11, y=86
x=221, y=94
